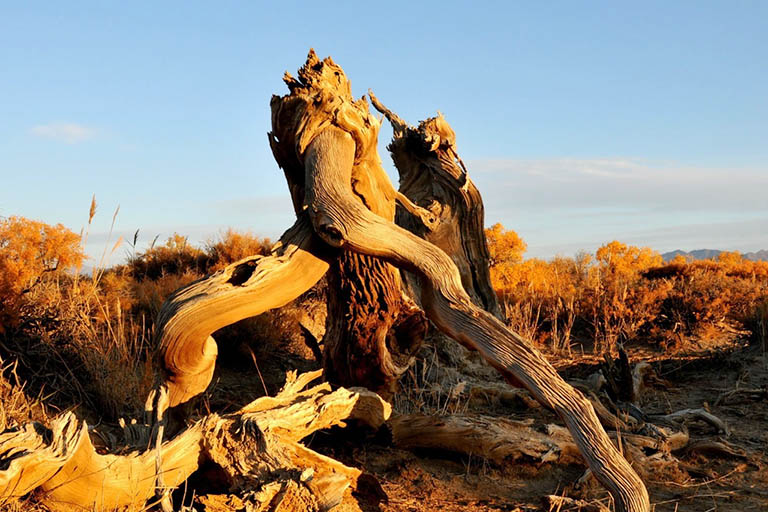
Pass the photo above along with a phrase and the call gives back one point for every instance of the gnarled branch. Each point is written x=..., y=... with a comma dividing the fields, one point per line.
x=342, y=220
x=243, y=289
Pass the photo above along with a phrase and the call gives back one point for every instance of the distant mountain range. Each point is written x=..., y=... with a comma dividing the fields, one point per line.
x=712, y=254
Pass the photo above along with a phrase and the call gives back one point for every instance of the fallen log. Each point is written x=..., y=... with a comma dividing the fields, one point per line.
x=257, y=448
x=496, y=439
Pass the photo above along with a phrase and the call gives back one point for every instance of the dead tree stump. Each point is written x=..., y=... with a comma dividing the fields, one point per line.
x=326, y=143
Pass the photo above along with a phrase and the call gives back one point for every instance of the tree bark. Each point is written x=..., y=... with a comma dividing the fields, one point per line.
x=342, y=220
x=440, y=203
x=373, y=328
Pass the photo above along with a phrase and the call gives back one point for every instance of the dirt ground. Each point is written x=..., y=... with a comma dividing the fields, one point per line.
x=729, y=380
x=398, y=480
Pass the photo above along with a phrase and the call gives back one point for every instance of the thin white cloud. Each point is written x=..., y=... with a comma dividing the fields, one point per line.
x=621, y=182
x=561, y=204
x=70, y=133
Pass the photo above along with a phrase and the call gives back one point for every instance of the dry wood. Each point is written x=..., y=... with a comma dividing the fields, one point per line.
x=564, y=504
x=258, y=445
x=70, y=474
x=749, y=393
x=496, y=439
x=341, y=219
x=719, y=448
x=27, y=460
x=243, y=289
x=373, y=328
x=326, y=144
x=442, y=204
x=502, y=394
x=686, y=415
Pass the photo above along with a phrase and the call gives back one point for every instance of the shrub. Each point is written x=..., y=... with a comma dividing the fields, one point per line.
x=175, y=256
x=624, y=293
x=234, y=246
x=28, y=250
x=621, y=303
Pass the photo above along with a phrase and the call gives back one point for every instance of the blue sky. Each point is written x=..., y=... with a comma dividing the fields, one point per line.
x=581, y=122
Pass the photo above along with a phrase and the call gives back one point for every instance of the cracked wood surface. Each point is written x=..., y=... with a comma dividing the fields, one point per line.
x=341, y=219
x=257, y=445
x=243, y=289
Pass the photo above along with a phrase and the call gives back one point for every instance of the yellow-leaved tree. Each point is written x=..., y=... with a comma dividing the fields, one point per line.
x=506, y=250
x=29, y=249
x=622, y=302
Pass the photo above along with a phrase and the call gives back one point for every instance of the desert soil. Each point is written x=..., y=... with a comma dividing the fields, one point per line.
x=399, y=480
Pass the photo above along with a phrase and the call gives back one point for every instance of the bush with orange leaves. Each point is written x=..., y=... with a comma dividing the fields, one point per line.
x=29, y=249
x=621, y=303
x=624, y=294
x=709, y=297
x=94, y=332
x=540, y=298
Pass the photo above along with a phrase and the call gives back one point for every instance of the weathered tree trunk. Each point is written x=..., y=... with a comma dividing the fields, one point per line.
x=342, y=220
x=326, y=144
x=373, y=328
x=244, y=289
x=440, y=203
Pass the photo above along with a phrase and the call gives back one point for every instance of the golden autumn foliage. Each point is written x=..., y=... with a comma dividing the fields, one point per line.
x=28, y=250
x=97, y=330
x=233, y=246
x=625, y=294
x=504, y=246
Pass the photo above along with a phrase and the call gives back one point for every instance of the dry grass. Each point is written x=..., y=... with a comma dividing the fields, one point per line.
x=16, y=407
x=73, y=342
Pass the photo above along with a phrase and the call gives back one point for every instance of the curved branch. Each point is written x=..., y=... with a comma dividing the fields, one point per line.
x=342, y=220
x=243, y=289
